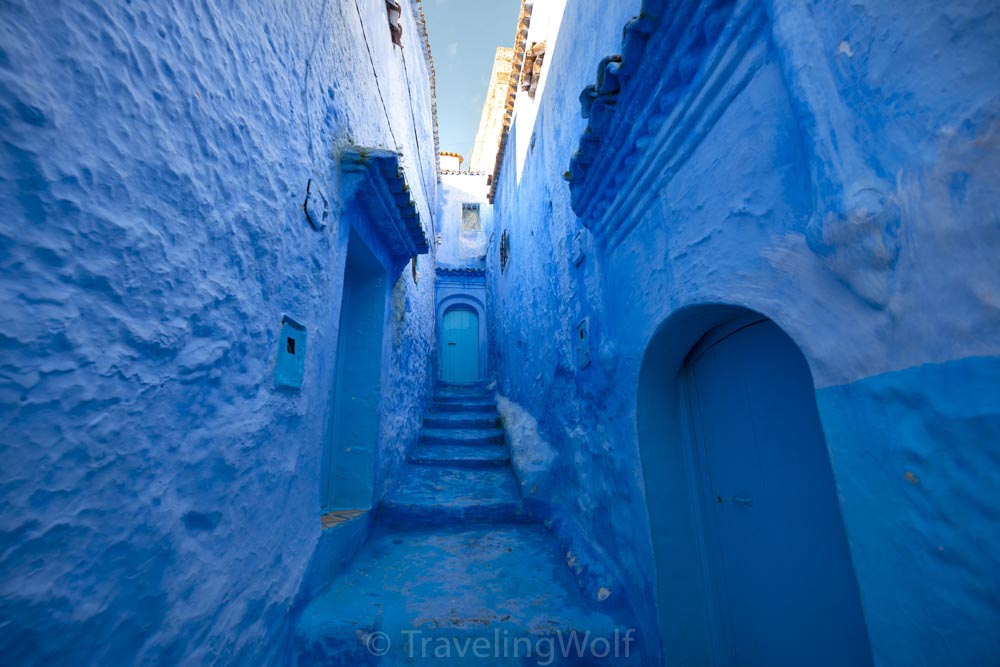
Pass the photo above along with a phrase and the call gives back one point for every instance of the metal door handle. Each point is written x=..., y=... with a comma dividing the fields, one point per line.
x=452, y=343
x=743, y=500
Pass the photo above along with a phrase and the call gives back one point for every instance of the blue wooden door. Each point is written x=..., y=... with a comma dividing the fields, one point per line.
x=460, y=346
x=784, y=584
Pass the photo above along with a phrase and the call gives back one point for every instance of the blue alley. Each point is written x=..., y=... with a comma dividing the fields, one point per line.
x=691, y=358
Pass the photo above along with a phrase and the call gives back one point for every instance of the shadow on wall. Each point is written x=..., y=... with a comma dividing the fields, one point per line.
x=733, y=454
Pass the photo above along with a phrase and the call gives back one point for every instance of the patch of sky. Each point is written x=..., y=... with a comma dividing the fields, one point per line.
x=464, y=36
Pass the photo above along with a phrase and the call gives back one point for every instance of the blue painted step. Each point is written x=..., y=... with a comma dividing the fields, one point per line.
x=462, y=391
x=460, y=456
x=462, y=436
x=436, y=496
x=468, y=408
x=460, y=419
x=459, y=402
x=456, y=392
x=455, y=584
x=480, y=387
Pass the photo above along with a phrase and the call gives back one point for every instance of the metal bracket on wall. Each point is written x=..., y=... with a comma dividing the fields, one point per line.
x=316, y=207
x=583, y=343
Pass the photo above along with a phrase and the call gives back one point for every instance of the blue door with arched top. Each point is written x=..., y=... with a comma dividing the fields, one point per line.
x=460, y=345
x=786, y=593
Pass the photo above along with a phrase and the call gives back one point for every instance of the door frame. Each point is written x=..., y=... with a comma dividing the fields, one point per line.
x=474, y=353
x=718, y=615
x=359, y=253
x=474, y=304
x=685, y=619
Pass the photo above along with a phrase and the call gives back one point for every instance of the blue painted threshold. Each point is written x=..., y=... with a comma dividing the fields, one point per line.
x=456, y=571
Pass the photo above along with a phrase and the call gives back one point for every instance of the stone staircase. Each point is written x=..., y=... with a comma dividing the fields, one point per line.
x=456, y=572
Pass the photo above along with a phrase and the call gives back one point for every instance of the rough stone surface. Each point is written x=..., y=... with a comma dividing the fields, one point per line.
x=160, y=496
x=458, y=572
x=743, y=210
x=916, y=444
x=445, y=589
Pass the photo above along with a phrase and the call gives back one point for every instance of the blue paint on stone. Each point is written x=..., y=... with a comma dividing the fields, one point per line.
x=161, y=495
x=825, y=165
x=177, y=178
x=458, y=562
x=916, y=474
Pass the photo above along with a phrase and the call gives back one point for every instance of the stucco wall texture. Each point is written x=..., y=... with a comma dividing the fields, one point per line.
x=888, y=309
x=160, y=497
x=458, y=249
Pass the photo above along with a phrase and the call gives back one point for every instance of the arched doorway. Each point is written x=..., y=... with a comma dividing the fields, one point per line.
x=777, y=575
x=460, y=345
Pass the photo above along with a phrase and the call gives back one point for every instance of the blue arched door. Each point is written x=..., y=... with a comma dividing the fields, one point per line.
x=784, y=584
x=460, y=345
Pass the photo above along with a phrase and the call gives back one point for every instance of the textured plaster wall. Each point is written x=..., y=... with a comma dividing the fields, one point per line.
x=160, y=497
x=458, y=249
x=912, y=300
x=537, y=301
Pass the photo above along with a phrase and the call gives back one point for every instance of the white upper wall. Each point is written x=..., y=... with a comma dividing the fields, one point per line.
x=462, y=245
x=546, y=18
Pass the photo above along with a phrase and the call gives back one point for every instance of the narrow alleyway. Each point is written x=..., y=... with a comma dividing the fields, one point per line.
x=454, y=558
x=686, y=354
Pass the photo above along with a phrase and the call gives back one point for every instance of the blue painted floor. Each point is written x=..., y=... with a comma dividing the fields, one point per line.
x=454, y=559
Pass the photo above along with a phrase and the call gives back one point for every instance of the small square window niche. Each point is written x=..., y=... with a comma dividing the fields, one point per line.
x=291, y=362
x=470, y=218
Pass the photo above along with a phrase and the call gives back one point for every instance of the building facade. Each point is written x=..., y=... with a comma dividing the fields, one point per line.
x=484, y=151
x=190, y=191
x=820, y=179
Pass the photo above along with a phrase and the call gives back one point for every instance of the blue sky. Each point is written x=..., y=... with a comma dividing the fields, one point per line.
x=464, y=36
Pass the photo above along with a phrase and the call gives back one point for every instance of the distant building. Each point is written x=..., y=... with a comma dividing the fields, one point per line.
x=451, y=161
x=484, y=151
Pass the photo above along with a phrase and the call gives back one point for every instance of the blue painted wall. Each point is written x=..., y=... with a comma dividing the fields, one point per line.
x=160, y=496
x=856, y=206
